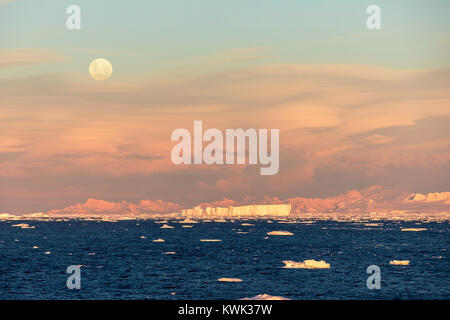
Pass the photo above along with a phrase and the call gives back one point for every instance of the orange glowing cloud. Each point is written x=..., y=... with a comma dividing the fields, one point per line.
x=341, y=128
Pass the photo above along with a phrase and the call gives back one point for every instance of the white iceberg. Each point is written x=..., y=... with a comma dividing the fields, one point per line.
x=23, y=226
x=239, y=211
x=307, y=264
x=280, y=233
x=229, y=280
x=265, y=297
x=399, y=262
x=187, y=221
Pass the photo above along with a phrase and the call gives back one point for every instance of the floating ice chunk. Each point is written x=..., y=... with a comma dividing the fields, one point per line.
x=23, y=226
x=247, y=224
x=35, y=247
x=280, y=233
x=186, y=226
x=47, y=252
x=399, y=262
x=307, y=264
x=143, y=237
x=170, y=252
x=242, y=232
x=91, y=254
x=414, y=229
x=265, y=297
x=229, y=280
x=158, y=240
x=166, y=226
x=187, y=221
x=210, y=240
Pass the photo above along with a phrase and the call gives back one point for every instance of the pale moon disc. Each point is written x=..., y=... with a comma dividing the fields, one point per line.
x=100, y=69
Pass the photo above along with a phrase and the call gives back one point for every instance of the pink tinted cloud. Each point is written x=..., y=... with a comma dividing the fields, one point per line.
x=341, y=127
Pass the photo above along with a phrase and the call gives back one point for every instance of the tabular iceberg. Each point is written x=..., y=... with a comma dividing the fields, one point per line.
x=239, y=211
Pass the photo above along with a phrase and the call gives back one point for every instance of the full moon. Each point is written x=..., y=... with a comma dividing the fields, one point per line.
x=100, y=69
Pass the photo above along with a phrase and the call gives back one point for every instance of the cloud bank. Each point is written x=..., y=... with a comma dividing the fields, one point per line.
x=342, y=127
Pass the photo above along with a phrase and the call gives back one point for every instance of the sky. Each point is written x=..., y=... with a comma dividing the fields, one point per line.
x=356, y=108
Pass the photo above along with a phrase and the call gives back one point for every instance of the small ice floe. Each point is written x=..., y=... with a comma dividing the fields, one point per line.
x=91, y=254
x=229, y=280
x=399, y=262
x=307, y=264
x=242, y=232
x=280, y=233
x=166, y=226
x=186, y=226
x=210, y=240
x=23, y=226
x=161, y=221
x=247, y=224
x=35, y=247
x=414, y=229
x=47, y=252
x=187, y=221
x=173, y=293
x=265, y=297
x=143, y=237
x=220, y=220
x=158, y=240
x=373, y=224
x=266, y=237
x=170, y=252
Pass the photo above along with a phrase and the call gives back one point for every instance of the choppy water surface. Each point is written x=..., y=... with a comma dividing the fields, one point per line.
x=119, y=264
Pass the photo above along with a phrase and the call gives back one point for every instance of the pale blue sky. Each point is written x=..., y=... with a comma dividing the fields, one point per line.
x=140, y=36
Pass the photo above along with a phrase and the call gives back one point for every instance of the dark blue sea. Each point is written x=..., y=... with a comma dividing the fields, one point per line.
x=119, y=264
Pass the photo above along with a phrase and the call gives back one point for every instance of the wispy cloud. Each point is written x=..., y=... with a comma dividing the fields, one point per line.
x=27, y=56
